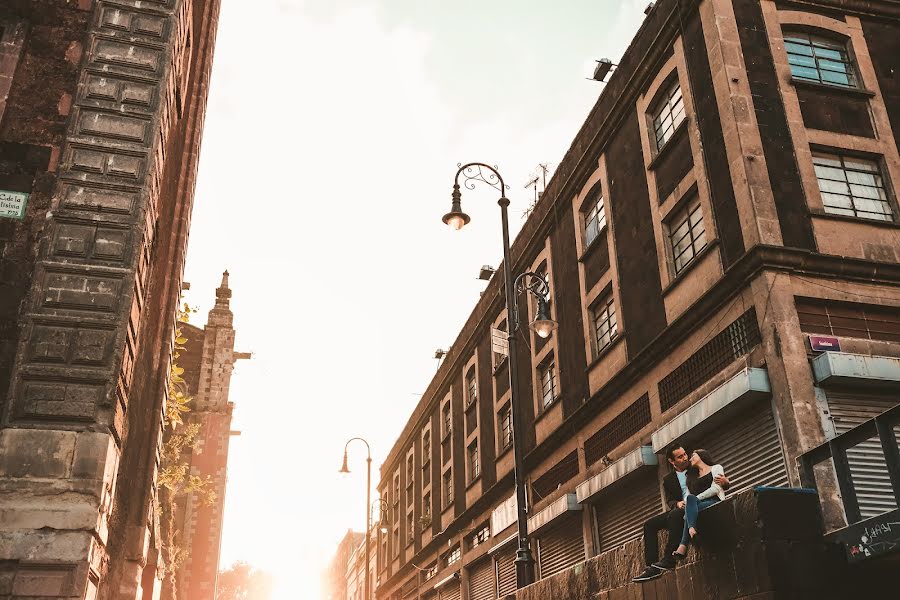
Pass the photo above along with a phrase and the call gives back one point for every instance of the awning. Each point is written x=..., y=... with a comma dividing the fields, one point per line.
x=561, y=506
x=749, y=384
x=834, y=368
x=641, y=456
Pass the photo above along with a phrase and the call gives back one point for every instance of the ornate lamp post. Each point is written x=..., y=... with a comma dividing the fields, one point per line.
x=345, y=469
x=543, y=325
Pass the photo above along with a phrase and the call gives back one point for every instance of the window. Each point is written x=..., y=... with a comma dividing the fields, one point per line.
x=410, y=528
x=603, y=315
x=594, y=220
x=396, y=542
x=426, y=510
x=814, y=58
x=410, y=470
x=505, y=423
x=668, y=114
x=471, y=388
x=852, y=186
x=453, y=556
x=446, y=419
x=687, y=236
x=499, y=344
x=481, y=536
x=548, y=382
x=396, y=498
x=448, y=488
x=426, y=452
x=474, y=467
x=431, y=571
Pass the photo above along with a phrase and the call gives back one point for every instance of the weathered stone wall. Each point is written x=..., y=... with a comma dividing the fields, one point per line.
x=759, y=545
x=104, y=113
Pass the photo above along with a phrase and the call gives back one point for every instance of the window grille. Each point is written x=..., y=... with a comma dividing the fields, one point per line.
x=556, y=475
x=481, y=536
x=453, y=556
x=474, y=467
x=448, y=488
x=626, y=424
x=447, y=420
x=471, y=388
x=505, y=428
x=814, y=58
x=731, y=343
x=668, y=115
x=410, y=470
x=605, y=324
x=594, y=220
x=548, y=383
x=687, y=235
x=852, y=186
x=849, y=319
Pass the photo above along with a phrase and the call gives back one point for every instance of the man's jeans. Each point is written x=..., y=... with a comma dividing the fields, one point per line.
x=673, y=521
x=692, y=509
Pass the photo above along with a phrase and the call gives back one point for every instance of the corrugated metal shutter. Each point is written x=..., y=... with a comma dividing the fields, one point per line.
x=562, y=546
x=621, y=512
x=867, y=466
x=748, y=447
x=481, y=581
x=451, y=591
x=506, y=571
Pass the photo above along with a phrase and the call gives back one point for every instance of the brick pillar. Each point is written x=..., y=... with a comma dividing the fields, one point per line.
x=65, y=418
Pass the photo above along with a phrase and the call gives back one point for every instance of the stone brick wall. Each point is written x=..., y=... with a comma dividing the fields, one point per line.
x=761, y=544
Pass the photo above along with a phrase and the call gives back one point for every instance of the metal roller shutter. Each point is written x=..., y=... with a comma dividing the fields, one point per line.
x=867, y=466
x=748, y=447
x=506, y=571
x=621, y=513
x=451, y=591
x=481, y=581
x=562, y=546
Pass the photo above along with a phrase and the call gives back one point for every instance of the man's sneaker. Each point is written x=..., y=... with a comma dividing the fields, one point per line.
x=666, y=564
x=649, y=573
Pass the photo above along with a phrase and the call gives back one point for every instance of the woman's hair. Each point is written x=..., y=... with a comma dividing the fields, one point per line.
x=693, y=474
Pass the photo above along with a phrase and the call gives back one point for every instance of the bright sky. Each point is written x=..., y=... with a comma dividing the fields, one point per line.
x=332, y=136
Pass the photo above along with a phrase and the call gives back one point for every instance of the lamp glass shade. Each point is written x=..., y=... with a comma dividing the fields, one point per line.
x=456, y=220
x=344, y=467
x=543, y=327
x=384, y=529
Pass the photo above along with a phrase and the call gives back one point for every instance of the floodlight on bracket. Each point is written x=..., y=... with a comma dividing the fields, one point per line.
x=604, y=66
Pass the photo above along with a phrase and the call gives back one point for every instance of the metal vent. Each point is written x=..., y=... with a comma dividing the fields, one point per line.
x=626, y=424
x=556, y=475
x=849, y=319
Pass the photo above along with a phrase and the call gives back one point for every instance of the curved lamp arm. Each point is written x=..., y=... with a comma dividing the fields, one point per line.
x=537, y=285
x=344, y=467
x=472, y=174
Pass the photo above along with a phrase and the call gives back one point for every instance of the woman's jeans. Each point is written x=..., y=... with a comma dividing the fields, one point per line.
x=692, y=508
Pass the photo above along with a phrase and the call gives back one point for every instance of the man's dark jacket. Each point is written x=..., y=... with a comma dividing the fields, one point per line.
x=672, y=489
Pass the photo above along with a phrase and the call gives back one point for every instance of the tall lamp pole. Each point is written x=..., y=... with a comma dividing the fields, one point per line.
x=472, y=174
x=345, y=469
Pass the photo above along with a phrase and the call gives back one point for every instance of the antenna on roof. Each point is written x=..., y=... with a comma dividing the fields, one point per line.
x=539, y=174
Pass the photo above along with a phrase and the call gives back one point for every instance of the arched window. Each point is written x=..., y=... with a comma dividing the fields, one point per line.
x=820, y=59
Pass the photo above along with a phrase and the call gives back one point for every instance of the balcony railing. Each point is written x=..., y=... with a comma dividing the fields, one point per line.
x=836, y=449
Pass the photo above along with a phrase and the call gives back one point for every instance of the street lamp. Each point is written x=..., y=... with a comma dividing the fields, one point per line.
x=474, y=173
x=345, y=469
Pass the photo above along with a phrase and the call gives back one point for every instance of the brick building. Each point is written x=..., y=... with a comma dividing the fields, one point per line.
x=731, y=194
x=334, y=578
x=102, y=107
x=208, y=360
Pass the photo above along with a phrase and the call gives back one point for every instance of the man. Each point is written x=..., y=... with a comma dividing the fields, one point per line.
x=675, y=490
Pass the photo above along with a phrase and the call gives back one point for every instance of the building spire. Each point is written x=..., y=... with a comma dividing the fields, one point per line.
x=223, y=293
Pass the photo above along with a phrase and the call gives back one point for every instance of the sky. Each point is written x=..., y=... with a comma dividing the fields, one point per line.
x=332, y=136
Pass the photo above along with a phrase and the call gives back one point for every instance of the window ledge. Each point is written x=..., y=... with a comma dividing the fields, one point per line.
x=616, y=341
x=475, y=480
x=862, y=220
x=815, y=85
x=595, y=243
x=670, y=143
x=503, y=450
x=676, y=281
x=549, y=408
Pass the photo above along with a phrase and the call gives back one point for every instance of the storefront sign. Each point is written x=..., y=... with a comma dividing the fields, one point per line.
x=12, y=204
x=824, y=343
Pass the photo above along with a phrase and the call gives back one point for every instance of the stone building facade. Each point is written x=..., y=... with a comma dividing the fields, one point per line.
x=208, y=360
x=730, y=199
x=102, y=107
x=334, y=578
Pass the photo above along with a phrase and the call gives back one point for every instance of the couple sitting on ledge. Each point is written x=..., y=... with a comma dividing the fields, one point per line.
x=697, y=482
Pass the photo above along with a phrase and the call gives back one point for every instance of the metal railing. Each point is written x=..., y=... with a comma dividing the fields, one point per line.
x=836, y=449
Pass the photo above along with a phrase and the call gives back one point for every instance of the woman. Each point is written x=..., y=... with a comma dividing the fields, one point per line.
x=704, y=493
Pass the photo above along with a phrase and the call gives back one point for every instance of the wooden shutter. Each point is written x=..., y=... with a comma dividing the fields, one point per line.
x=481, y=581
x=450, y=591
x=506, y=571
x=562, y=546
x=867, y=466
x=622, y=510
x=748, y=446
